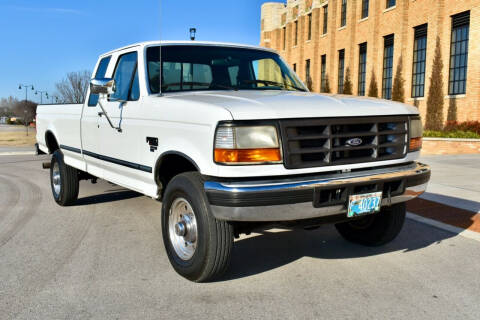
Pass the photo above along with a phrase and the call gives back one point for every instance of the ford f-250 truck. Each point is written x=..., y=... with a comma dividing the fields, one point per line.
x=230, y=140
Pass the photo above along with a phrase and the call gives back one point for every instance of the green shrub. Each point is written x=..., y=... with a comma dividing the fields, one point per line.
x=398, y=91
x=434, y=119
x=451, y=134
x=348, y=85
x=373, y=87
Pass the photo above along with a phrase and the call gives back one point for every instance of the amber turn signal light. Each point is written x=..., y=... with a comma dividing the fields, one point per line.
x=415, y=144
x=247, y=155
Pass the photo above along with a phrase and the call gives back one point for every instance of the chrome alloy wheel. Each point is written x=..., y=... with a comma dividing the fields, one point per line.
x=56, y=180
x=182, y=229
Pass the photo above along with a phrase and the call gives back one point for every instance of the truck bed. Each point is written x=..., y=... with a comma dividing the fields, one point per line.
x=62, y=120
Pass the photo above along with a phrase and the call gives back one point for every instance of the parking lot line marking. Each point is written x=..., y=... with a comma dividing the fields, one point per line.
x=440, y=225
x=18, y=153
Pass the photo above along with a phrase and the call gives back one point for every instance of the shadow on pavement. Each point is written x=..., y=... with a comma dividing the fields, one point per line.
x=453, y=201
x=111, y=196
x=452, y=215
x=271, y=250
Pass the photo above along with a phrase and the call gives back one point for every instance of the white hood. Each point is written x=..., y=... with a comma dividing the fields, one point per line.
x=256, y=104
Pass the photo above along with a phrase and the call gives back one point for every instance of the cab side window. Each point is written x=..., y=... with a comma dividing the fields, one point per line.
x=101, y=71
x=126, y=78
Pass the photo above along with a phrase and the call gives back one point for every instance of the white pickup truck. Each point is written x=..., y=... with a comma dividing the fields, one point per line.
x=230, y=140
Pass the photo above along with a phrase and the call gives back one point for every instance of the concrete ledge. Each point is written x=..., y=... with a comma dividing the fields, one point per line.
x=443, y=226
x=451, y=139
x=432, y=146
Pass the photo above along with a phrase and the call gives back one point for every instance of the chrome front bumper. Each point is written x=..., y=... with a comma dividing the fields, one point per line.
x=304, y=198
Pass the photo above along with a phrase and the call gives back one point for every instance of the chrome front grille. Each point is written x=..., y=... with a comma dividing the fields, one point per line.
x=335, y=141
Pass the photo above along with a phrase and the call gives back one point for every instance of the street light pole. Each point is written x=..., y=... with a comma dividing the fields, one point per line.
x=20, y=87
x=41, y=95
x=193, y=33
x=54, y=97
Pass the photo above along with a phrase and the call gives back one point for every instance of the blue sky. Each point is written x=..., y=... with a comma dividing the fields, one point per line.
x=43, y=40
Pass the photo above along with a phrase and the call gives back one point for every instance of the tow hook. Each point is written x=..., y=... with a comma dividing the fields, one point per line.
x=46, y=165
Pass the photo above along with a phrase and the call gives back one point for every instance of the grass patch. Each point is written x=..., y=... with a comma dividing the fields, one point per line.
x=451, y=134
x=17, y=138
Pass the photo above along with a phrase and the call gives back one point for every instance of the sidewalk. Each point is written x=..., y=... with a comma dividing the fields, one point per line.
x=16, y=151
x=453, y=195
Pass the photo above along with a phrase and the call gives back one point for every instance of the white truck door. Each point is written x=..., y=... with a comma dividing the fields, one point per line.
x=90, y=126
x=120, y=148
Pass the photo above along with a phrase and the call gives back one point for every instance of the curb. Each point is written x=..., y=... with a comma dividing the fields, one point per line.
x=446, y=227
x=450, y=139
x=18, y=153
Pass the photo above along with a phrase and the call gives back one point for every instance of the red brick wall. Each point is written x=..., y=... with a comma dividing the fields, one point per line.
x=452, y=146
x=401, y=21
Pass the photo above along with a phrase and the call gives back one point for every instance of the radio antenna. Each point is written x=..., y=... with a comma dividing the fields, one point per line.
x=160, y=52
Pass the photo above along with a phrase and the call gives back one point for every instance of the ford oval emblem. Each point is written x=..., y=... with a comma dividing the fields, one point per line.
x=354, y=142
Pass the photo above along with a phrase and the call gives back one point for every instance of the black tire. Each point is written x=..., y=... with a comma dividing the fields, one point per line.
x=375, y=230
x=214, y=240
x=68, y=191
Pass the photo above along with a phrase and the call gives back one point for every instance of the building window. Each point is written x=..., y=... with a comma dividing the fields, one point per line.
x=284, y=38
x=457, y=83
x=419, y=61
x=323, y=73
x=294, y=67
x=387, y=67
x=391, y=3
x=296, y=33
x=309, y=27
x=325, y=19
x=362, y=69
x=343, y=17
x=365, y=5
x=341, y=69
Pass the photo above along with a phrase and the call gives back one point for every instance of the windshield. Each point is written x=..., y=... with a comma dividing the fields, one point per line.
x=189, y=68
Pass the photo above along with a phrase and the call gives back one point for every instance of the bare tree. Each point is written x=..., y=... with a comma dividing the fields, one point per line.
x=25, y=110
x=8, y=103
x=74, y=87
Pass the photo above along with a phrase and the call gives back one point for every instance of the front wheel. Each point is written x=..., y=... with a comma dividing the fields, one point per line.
x=375, y=230
x=63, y=180
x=198, y=245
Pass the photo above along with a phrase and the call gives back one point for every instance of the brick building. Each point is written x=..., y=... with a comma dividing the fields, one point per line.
x=322, y=38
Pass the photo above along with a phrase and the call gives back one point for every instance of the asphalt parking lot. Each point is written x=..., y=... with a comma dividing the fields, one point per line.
x=104, y=259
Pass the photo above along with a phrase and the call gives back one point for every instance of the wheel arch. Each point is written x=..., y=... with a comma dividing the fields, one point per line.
x=170, y=164
x=51, y=142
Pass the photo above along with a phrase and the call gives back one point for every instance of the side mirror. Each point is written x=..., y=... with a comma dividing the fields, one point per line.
x=102, y=86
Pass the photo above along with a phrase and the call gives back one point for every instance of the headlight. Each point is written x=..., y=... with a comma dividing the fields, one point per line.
x=247, y=145
x=416, y=133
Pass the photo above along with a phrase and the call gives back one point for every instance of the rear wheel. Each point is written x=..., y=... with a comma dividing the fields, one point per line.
x=375, y=230
x=198, y=245
x=64, y=180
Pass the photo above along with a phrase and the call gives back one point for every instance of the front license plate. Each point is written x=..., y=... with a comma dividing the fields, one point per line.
x=362, y=204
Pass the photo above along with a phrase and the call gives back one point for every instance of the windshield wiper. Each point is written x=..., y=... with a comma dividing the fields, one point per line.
x=223, y=86
x=276, y=84
x=202, y=84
